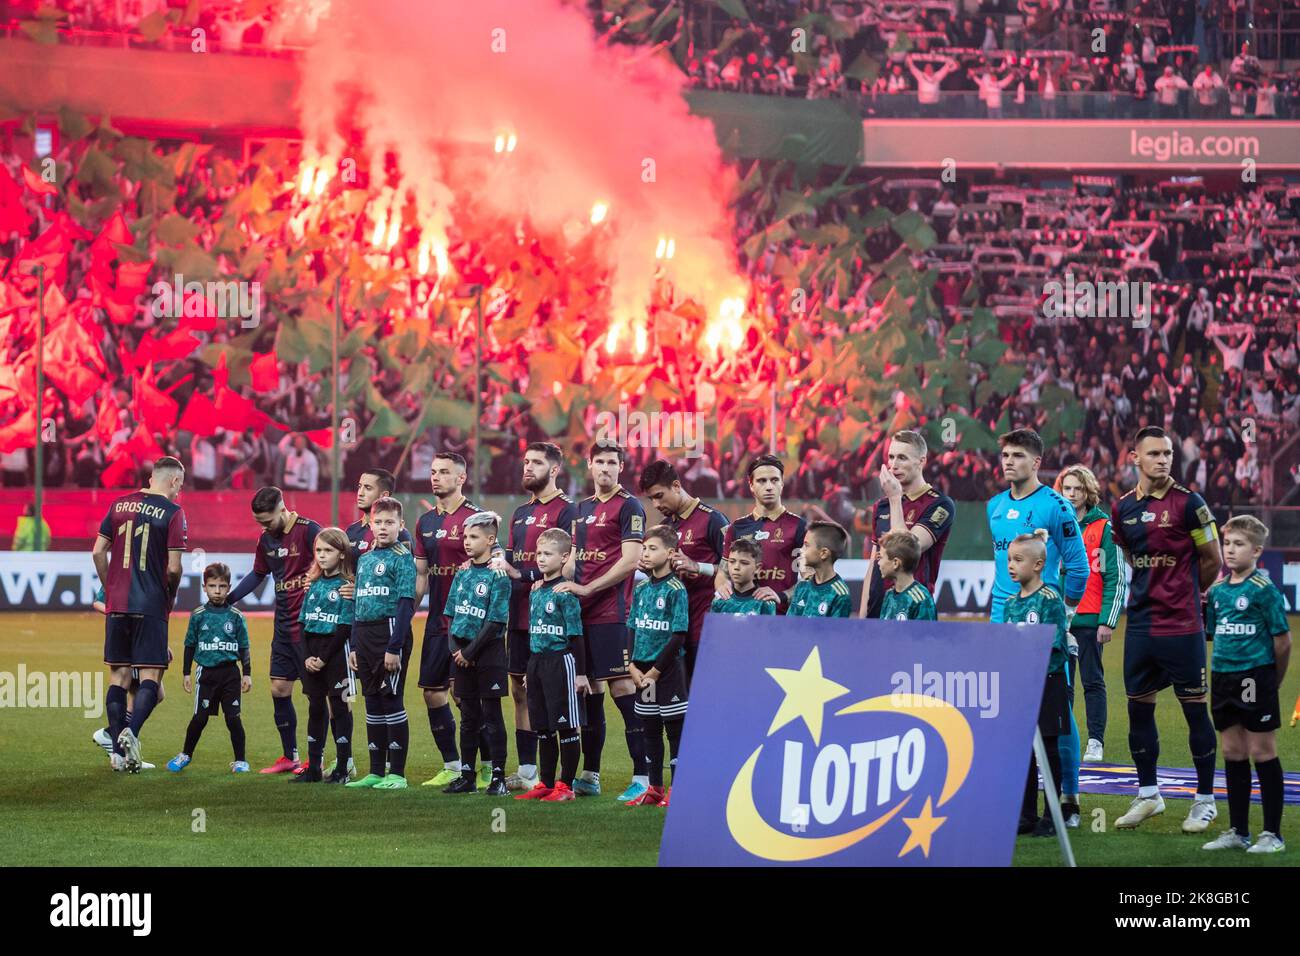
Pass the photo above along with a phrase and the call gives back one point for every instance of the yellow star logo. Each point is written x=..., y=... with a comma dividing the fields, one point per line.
x=806, y=694
x=922, y=828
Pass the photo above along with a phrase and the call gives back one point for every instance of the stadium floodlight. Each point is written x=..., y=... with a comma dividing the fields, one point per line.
x=599, y=210
x=666, y=248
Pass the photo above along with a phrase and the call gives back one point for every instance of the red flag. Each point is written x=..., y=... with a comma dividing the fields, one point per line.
x=13, y=214
x=200, y=416
x=265, y=372
x=236, y=413
x=221, y=374
x=106, y=421
x=103, y=251
x=120, y=472
x=321, y=438
x=142, y=446
x=175, y=345
x=152, y=408
x=21, y=433
x=38, y=185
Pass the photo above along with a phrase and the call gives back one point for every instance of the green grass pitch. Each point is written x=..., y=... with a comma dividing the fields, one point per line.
x=62, y=805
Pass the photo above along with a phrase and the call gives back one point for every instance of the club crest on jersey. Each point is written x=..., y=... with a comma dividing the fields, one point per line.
x=334, y=595
x=1241, y=603
x=1013, y=514
x=900, y=616
x=230, y=627
x=1164, y=518
x=550, y=607
x=823, y=608
x=454, y=532
x=1031, y=617
x=480, y=589
x=659, y=603
x=379, y=568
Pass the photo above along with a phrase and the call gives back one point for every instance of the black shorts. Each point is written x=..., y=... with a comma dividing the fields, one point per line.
x=290, y=632
x=666, y=697
x=287, y=660
x=337, y=678
x=1246, y=699
x=554, y=703
x=487, y=678
x=370, y=642
x=435, y=655
x=1054, y=711
x=518, y=651
x=1153, y=663
x=133, y=640
x=213, y=686
x=609, y=650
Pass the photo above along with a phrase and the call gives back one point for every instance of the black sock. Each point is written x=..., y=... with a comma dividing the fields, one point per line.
x=341, y=728
x=145, y=700
x=399, y=735
x=128, y=720
x=485, y=745
x=1237, y=773
x=593, y=733
x=570, y=754
x=526, y=745
x=673, y=730
x=442, y=724
x=1270, y=793
x=653, y=740
x=494, y=734
x=1144, y=741
x=317, y=720
x=376, y=733
x=471, y=722
x=115, y=711
x=1052, y=745
x=1203, y=744
x=1029, y=802
x=550, y=758
x=194, y=731
x=286, y=721
x=636, y=735
x=236, y=728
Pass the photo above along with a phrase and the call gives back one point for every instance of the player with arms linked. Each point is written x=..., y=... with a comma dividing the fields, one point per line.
x=778, y=532
x=700, y=533
x=547, y=508
x=607, y=533
x=284, y=551
x=439, y=550
x=1170, y=539
x=137, y=556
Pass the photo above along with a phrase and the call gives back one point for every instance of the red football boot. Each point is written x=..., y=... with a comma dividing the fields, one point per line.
x=281, y=765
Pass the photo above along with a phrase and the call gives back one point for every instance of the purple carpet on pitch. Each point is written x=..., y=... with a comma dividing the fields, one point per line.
x=1121, y=781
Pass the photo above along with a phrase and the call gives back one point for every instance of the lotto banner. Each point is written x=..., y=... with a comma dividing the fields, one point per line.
x=855, y=743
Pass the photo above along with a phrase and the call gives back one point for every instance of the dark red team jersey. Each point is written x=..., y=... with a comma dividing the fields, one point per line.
x=529, y=521
x=599, y=530
x=1160, y=534
x=779, y=538
x=143, y=529
x=932, y=511
x=439, y=540
x=287, y=558
x=700, y=532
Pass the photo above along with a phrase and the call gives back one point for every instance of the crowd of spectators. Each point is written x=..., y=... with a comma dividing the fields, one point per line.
x=1214, y=359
